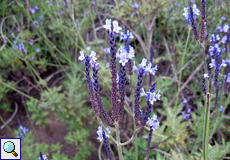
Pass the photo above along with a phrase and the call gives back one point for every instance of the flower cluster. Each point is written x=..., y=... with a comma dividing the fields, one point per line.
x=100, y=133
x=124, y=56
x=151, y=96
x=33, y=9
x=20, y=47
x=108, y=26
x=24, y=130
x=186, y=114
x=43, y=157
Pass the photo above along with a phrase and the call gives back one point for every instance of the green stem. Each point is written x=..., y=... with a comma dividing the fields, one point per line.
x=118, y=141
x=99, y=150
x=131, y=139
x=206, y=127
x=182, y=63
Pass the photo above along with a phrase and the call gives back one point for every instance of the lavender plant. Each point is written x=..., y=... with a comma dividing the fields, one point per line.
x=215, y=52
x=124, y=55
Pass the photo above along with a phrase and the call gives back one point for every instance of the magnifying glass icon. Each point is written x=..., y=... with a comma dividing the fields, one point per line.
x=9, y=147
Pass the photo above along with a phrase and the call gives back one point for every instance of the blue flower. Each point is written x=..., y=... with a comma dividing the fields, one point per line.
x=15, y=42
x=99, y=133
x=32, y=58
x=214, y=37
x=107, y=24
x=106, y=50
x=124, y=56
x=40, y=18
x=142, y=66
x=51, y=3
x=24, y=130
x=225, y=28
x=141, y=114
x=213, y=63
x=36, y=7
x=37, y=50
x=221, y=109
x=32, y=10
x=151, y=96
x=224, y=39
x=153, y=122
x=44, y=157
x=116, y=28
x=135, y=6
x=133, y=13
x=62, y=12
x=185, y=101
x=223, y=18
x=186, y=115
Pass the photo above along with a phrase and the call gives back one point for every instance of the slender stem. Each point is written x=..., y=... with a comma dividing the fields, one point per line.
x=131, y=139
x=99, y=150
x=206, y=127
x=118, y=141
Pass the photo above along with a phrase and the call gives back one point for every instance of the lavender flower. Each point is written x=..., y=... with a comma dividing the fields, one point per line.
x=151, y=97
x=202, y=32
x=153, y=122
x=51, y=3
x=107, y=145
x=214, y=37
x=32, y=10
x=37, y=50
x=87, y=60
x=185, y=101
x=124, y=56
x=225, y=28
x=62, y=12
x=186, y=114
x=135, y=6
x=148, y=143
x=126, y=36
x=97, y=90
x=24, y=130
x=204, y=88
x=107, y=26
x=36, y=23
x=143, y=69
x=40, y=18
x=36, y=7
x=223, y=18
x=116, y=28
x=44, y=157
x=221, y=109
x=32, y=58
x=100, y=133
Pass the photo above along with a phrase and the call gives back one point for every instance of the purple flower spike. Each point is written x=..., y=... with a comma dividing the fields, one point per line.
x=202, y=32
x=87, y=60
x=124, y=56
x=154, y=124
x=143, y=69
x=97, y=94
x=107, y=145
